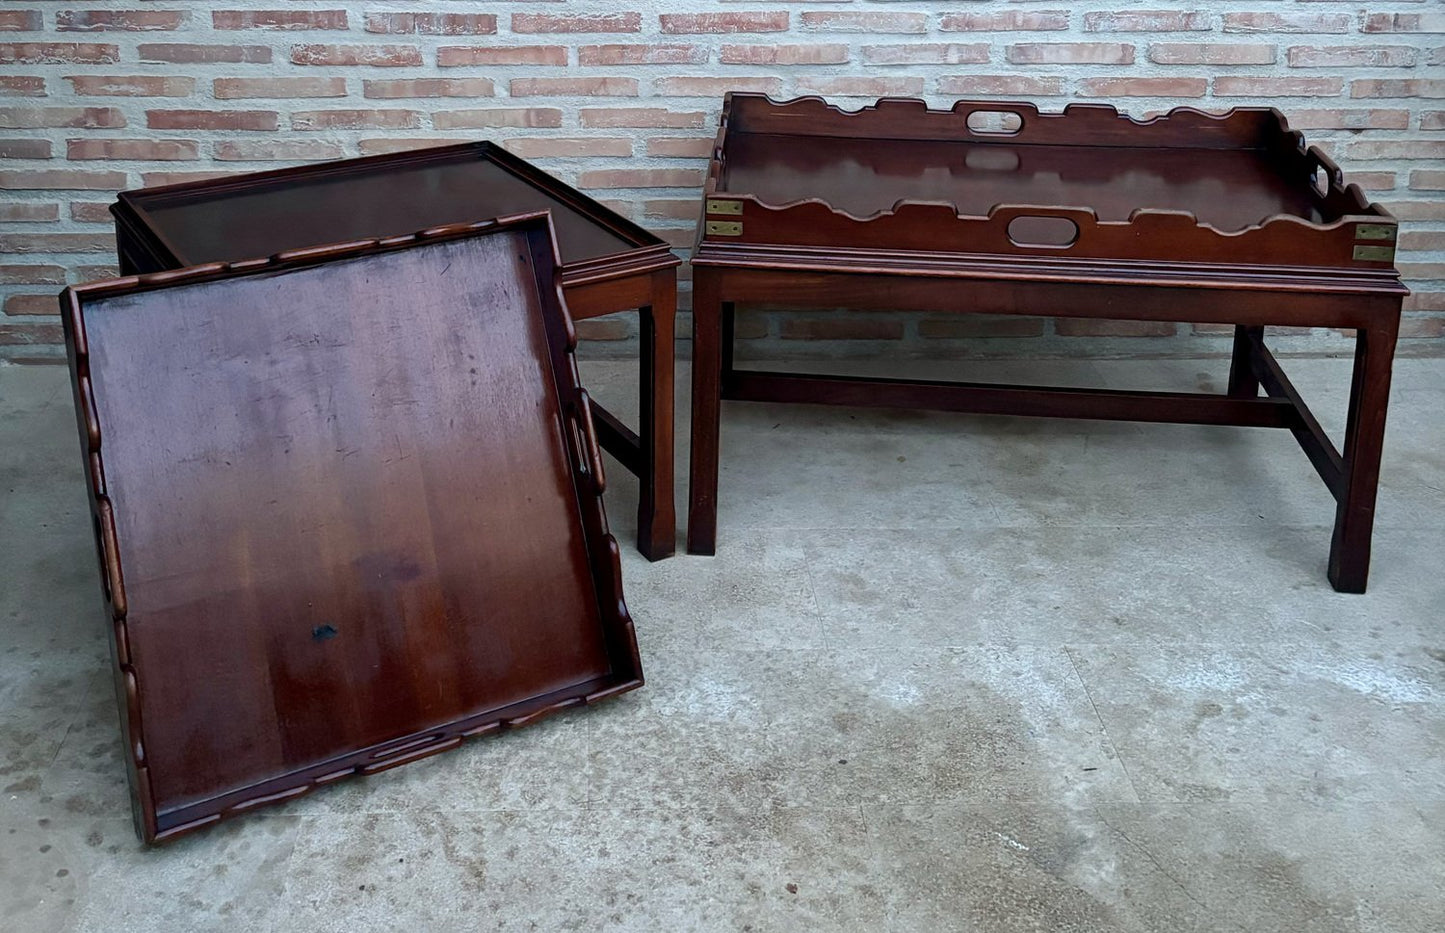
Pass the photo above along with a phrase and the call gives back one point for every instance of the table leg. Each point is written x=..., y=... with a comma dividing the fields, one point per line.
x=656, y=514
x=1242, y=381
x=706, y=405
x=1364, y=439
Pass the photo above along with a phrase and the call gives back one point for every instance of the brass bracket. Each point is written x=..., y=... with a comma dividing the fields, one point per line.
x=1375, y=253
x=1374, y=232
x=724, y=228
x=715, y=206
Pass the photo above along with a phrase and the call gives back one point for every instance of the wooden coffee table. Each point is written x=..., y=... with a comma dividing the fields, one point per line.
x=996, y=208
x=609, y=264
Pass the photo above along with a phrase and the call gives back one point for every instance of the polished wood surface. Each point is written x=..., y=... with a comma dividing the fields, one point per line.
x=1189, y=217
x=609, y=264
x=336, y=539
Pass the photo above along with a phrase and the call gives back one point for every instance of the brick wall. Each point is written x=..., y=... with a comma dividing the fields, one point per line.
x=95, y=97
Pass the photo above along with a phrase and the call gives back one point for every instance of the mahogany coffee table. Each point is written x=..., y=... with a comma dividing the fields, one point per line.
x=996, y=208
x=609, y=264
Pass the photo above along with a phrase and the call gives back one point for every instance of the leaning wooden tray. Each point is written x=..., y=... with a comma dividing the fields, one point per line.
x=348, y=507
x=1087, y=185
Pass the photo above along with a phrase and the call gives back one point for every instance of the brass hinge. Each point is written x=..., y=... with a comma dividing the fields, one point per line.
x=1375, y=253
x=723, y=228
x=715, y=206
x=1374, y=231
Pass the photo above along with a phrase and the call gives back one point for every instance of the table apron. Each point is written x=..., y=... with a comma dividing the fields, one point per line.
x=1188, y=303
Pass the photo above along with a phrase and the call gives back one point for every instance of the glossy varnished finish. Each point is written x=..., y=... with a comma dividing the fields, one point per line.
x=1189, y=217
x=609, y=264
x=334, y=539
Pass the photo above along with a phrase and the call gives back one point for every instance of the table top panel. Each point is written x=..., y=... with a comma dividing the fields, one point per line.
x=297, y=208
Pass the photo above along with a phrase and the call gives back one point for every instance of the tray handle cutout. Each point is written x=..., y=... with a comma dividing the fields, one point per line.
x=1043, y=231
x=1001, y=122
x=584, y=439
x=1323, y=172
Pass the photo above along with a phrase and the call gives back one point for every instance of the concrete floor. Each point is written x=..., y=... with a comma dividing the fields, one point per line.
x=945, y=673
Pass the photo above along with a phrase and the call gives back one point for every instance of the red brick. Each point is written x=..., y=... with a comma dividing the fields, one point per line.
x=610, y=329
x=451, y=56
x=840, y=328
x=530, y=117
x=680, y=23
x=555, y=147
x=24, y=148
x=638, y=54
x=996, y=85
x=29, y=212
x=715, y=87
x=1396, y=149
x=393, y=89
x=91, y=273
x=853, y=86
x=1373, y=181
x=1432, y=120
x=829, y=54
x=1278, y=87
x=1397, y=87
x=625, y=208
x=22, y=85
x=18, y=305
x=1005, y=21
x=279, y=19
x=1416, y=210
x=432, y=24
x=132, y=85
x=565, y=22
x=185, y=53
x=1092, y=327
x=1427, y=180
x=672, y=209
x=248, y=88
x=1411, y=327
x=32, y=275
x=1421, y=271
x=255, y=120
x=21, y=21
x=1403, y=22
x=968, y=326
x=932, y=53
x=63, y=179
x=1349, y=120
x=1287, y=22
x=1351, y=56
x=298, y=150
x=641, y=117
x=90, y=212
x=161, y=179
x=58, y=53
x=356, y=119
x=376, y=56
x=1071, y=53
x=118, y=20
x=573, y=87
x=64, y=117
x=23, y=335
x=1423, y=239
x=156, y=150
x=1147, y=21
x=57, y=243
x=1211, y=53
x=399, y=144
x=1143, y=87
x=689, y=147
x=884, y=23
x=641, y=178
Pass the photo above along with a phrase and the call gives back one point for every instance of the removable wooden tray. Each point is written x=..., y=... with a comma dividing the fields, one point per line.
x=1186, y=188
x=348, y=507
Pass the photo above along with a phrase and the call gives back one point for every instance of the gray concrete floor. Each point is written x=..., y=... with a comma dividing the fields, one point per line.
x=945, y=673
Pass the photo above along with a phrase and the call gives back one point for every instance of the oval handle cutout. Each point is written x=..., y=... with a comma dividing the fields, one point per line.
x=1045, y=232
x=994, y=122
x=993, y=158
